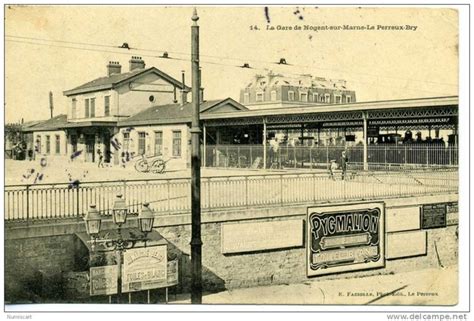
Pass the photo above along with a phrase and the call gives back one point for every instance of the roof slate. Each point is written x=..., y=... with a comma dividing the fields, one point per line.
x=114, y=79
x=50, y=124
x=172, y=113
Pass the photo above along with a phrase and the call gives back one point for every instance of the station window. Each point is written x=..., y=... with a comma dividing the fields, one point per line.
x=73, y=108
x=86, y=107
x=338, y=99
x=259, y=96
x=141, y=143
x=327, y=98
x=158, y=143
x=348, y=99
x=176, y=143
x=92, y=113
x=315, y=97
x=246, y=98
x=38, y=144
x=106, y=105
x=291, y=95
x=58, y=144
x=48, y=144
x=273, y=95
x=126, y=140
x=304, y=97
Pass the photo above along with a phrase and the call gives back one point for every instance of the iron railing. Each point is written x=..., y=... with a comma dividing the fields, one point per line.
x=170, y=196
x=252, y=156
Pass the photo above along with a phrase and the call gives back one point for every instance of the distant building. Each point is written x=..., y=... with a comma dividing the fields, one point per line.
x=276, y=90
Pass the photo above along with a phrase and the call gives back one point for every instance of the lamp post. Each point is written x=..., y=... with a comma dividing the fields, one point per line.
x=93, y=221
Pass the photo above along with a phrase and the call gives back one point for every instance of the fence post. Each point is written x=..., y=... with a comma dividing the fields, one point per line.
x=251, y=156
x=310, y=159
x=385, y=155
x=281, y=189
x=327, y=157
x=27, y=203
x=77, y=200
x=427, y=156
x=405, y=154
x=238, y=156
x=247, y=191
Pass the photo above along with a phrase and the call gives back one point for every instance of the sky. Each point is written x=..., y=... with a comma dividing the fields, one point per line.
x=379, y=64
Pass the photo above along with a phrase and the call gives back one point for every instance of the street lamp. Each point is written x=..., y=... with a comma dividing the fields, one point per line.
x=120, y=211
x=146, y=218
x=93, y=221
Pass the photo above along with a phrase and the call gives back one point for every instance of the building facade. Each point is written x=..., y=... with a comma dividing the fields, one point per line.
x=276, y=90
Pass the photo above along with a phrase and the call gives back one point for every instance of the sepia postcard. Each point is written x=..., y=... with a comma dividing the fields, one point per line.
x=162, y=157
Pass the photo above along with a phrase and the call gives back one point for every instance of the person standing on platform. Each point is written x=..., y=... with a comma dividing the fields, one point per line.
x=344, y=160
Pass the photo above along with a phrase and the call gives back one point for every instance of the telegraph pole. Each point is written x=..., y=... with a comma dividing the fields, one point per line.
x=196, y=243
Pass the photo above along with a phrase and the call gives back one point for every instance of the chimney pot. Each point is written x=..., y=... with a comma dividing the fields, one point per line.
x=136, y=63
x=113, y=68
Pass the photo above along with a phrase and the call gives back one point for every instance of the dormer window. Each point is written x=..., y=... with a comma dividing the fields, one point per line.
x=291, y=95
x=327, y=98
x=246, y=98
x=304, y=97
x=273, y=95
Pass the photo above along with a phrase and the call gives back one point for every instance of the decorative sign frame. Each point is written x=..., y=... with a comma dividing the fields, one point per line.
x=144, y=268
x=433, y=215
x=345, y=237
x=103, y=280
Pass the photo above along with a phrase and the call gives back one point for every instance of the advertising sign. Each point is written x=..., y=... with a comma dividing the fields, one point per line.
x=345, y=237
x=144, y=268
x=173, y=273
x=103, y=280
x=258, y=236
x=433, y=215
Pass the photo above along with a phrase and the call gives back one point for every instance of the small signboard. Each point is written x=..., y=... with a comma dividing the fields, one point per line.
x=173, y=273
x=345, y=237
x=103, y=280
x=433, y=215
x=144, y=268
x=259, y=236
x=372, y=131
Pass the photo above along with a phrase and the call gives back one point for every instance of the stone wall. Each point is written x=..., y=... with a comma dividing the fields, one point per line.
x=33, y=267
x=284, y=266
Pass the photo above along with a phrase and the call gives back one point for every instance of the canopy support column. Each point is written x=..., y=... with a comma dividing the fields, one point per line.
x=365, y=117
x=264, y=143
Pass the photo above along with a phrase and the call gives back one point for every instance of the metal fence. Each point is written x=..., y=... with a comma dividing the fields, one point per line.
x=252, y=156
x=169, y=196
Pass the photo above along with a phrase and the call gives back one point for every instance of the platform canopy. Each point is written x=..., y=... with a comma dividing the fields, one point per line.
x=421, y=113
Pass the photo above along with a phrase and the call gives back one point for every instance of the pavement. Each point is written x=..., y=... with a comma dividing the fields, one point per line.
x=425, y=287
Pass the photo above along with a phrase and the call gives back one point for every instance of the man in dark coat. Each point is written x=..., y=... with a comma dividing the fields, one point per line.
x=344, y=160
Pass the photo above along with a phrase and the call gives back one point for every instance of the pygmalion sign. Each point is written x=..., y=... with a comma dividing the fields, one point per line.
x=345, y=237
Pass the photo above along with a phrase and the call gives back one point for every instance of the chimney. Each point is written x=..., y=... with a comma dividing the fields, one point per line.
x=51, y=107
x=136, y=63
x=184, y=94
x=113, y=67
x=201, y=95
